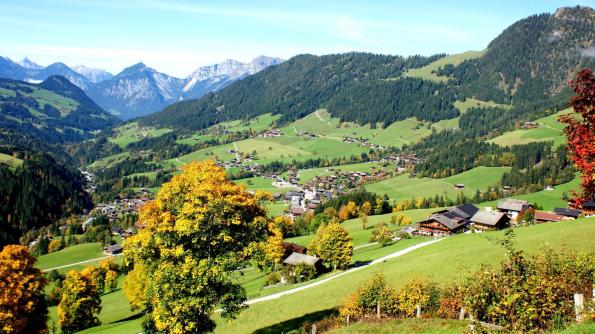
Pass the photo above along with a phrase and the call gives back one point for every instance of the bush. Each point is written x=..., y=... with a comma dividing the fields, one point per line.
x=273, y=278
x=530, y=294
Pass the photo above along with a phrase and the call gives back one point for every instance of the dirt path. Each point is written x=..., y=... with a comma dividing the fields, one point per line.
x=320, y=118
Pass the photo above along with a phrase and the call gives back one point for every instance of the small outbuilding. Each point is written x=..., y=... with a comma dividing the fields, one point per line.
x=112, y=250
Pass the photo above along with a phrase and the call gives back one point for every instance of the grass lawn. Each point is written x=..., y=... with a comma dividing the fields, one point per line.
x=549, y=129
x=259, y=123
x=450, y=259
x=368, y=167
x=445, y=261
x=72, y=254
x=9, y=160
x=110, y=160
x=403, y=187
x=406, y=326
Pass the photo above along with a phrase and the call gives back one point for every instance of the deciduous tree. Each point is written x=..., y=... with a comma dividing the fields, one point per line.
x=22, y=303
x=580, y=132
x=335, y=246
x=135, y=287
x=80, y=303
x=200, y=228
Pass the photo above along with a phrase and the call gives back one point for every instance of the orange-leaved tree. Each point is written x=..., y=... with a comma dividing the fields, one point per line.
x=199, y=229
x=22, y=302
x=580, y=132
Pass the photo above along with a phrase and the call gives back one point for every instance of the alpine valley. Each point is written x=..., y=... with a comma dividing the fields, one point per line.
x=351, y=192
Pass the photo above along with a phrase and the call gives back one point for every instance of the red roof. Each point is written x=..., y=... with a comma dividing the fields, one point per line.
x=548, y=216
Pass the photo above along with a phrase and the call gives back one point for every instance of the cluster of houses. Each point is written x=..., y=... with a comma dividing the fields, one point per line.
x=305, y=200
x=119, y=207
x=306, y=134
x=467, y=217
x=271, y=133
x=362, y=141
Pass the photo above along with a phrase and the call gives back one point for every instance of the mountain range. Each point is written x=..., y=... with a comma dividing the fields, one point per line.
x=138, y=90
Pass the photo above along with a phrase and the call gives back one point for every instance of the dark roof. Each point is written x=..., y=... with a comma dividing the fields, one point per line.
x=567, y=212
x=113, y=248
x=298, y=258
x=490, y=218
x=294, y=248
x=465, y=211
x=448, y=219
x=589, y=204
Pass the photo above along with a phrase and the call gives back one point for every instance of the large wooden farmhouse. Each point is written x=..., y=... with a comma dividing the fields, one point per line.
x=447, y=222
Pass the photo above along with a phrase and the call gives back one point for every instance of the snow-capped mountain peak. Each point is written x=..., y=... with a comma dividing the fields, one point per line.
x=29, y=64
x=94, y=75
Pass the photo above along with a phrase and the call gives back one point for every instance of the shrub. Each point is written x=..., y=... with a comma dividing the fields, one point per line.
x=273, y=278
x=451, y=300
x=530, y=294
x=420, y=292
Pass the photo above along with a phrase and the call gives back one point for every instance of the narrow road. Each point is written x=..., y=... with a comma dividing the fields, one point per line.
x=178, y=160
x=328, y=279
x=549, y=127
x=237, y=152
x=82, y=262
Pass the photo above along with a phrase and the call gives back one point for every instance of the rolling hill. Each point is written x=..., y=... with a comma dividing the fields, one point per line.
x=54, y=110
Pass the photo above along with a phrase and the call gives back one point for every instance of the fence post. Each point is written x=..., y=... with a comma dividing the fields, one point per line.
x=313, y=328
x=471, y=324
x=418, y=310
x=378, y=310
x=579, y=306
x=462, y=313
x=348, y=320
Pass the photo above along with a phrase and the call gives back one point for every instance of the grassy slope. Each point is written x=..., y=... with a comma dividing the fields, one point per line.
x=10, y=160
x=549, y=130
x=445, y=261
x=131, y=133
x=426, y=71
x=404, y=187
x=72, y=254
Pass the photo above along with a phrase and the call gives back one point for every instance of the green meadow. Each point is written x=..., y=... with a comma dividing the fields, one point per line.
x=428, y=72
x=132, y=132
x=405, y=187
x=9, y=160
x=549, y=129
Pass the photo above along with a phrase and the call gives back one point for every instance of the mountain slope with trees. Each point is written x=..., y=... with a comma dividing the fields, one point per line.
x=54, y=110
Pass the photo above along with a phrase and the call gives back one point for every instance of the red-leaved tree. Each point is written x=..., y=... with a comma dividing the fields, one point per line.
x=580, y=132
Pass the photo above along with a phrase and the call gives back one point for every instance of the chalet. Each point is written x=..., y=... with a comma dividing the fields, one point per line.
x=446, y=222
x=530, y=125
x=112, y=250
x=290, y=248
x=569, y=213
x=545, y=217
x=298, y=258
x=439, y=225
x=296, y=211
x=485, y=220
x=459, y=186
x=512, y=207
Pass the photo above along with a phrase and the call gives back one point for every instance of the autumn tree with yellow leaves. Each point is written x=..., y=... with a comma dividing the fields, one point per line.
x=199, y=229
x=22, y=303
x=333, y=244
x=80, y=303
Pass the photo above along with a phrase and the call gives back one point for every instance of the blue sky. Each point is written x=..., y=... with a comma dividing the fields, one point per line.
x=178, y=36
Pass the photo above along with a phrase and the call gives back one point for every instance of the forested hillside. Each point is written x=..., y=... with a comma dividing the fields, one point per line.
x=36, y=194
x=293, y=89
x=527, y=66
x=55, y=110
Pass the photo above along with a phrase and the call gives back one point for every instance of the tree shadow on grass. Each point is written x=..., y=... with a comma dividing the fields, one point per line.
x=132, y=317
x=295, y=325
